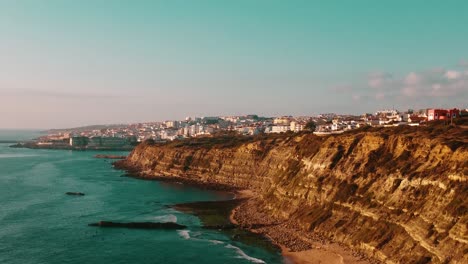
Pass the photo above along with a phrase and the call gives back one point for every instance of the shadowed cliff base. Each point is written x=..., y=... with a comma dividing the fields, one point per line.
x=397, y=195
x=216, y=215
x=107, y=156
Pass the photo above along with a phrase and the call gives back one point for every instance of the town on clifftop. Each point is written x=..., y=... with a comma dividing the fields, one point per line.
x=126, y=137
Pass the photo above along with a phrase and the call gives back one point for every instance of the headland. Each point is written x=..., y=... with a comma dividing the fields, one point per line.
x=391, y=195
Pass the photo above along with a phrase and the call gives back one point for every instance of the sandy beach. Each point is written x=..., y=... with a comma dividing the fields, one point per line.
x=327, y=254
x=296, y=247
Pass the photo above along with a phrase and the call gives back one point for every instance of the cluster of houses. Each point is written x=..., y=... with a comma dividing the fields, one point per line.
x=330, y=123
x=128, y=135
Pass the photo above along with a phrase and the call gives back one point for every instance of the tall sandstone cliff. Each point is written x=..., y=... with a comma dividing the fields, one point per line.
x=398, y=195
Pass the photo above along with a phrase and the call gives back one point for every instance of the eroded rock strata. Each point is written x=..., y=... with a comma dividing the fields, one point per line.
x=398, y=195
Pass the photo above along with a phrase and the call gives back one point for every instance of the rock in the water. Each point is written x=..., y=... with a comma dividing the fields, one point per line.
x=75, y=193
x=140, y=225
x=220, y=227
x=103, y=156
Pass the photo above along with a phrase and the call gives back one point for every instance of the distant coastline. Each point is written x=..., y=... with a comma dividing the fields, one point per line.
x=8, y=141
x=35, y=145
x=12, y=136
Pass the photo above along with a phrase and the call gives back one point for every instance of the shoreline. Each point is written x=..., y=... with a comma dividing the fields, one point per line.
x=347, y=189
x=296, y=246
x=135, y=173
x=320, y=252
x=67, y=147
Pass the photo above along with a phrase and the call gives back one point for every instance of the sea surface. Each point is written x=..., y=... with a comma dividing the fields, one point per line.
x=40, y=224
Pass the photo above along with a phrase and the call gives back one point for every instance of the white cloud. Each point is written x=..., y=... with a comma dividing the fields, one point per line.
x=434, y=85
x=463, y=63
x=452, y=75
x=379, y=79
x=380, y=96
x=375, y=83
x=409, y=91
x=412, y=79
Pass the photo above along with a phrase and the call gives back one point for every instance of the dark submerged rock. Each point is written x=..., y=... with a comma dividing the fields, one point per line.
x=220, y=227
x=139, y=225
x=75, y=193
x=104, y=156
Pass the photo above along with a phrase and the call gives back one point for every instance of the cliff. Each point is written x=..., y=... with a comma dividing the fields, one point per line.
x=399, y=195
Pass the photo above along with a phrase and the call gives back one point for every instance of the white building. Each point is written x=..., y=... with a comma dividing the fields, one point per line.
x=172, y=124
x=282, y=121
x=278, y=129
x=296, y=127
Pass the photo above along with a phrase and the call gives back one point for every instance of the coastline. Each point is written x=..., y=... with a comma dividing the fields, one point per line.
x=135, y=173
x=30, y=145
x=295, y=246
x=312, y=191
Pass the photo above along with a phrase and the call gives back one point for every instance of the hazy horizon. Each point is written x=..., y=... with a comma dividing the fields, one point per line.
x=75, y=63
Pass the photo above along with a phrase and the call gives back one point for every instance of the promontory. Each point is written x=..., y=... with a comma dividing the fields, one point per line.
x=390, y=195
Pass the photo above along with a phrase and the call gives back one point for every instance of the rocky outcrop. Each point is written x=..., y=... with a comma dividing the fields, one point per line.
x=399, y=195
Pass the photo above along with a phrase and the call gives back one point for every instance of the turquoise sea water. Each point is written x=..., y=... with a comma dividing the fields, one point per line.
x=40, y=224
x=11, y=134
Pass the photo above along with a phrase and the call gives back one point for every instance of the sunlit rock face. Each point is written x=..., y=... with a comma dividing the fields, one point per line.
x=399, y=195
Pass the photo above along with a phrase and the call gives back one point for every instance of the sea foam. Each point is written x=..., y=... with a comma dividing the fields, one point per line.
x=8, y=155
x=245, y=256
x=216, y=242
x=184, y=233
x=166, y=218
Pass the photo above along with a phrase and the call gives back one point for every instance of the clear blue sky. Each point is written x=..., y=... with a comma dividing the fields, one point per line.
x=70, y=63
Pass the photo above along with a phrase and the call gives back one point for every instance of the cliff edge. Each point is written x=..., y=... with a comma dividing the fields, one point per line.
x=398, y=195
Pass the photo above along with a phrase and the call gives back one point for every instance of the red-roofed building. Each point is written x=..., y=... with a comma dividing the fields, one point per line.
x=442, y=114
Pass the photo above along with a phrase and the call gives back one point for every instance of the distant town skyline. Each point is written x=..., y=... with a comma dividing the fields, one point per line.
x=75, y=63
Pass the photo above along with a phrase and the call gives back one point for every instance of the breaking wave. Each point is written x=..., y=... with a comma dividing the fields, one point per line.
x=245, y=256
x=166, y=218
x=184, y=234
x=216, y=242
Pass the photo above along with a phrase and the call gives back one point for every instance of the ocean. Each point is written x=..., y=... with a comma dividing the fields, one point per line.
x=40, y=224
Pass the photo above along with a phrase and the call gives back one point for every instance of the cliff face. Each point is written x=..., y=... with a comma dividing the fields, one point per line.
x=398, y=195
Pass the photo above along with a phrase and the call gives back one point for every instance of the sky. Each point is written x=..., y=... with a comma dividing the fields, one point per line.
x=66, y=63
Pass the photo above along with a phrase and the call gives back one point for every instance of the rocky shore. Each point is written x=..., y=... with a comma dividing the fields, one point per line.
x=296, y=246
x=394, y=195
